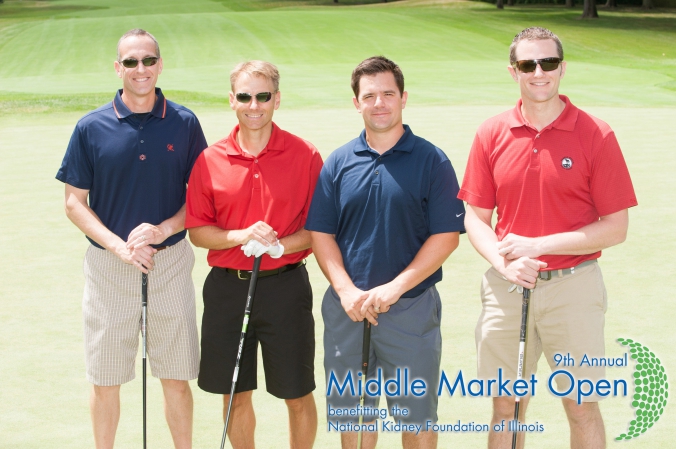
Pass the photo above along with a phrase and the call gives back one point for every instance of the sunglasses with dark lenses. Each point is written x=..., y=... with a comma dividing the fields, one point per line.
x=261, y=97
x=131, y=62
x=529, y=65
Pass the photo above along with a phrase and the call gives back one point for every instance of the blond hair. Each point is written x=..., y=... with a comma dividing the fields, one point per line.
x=256, y=68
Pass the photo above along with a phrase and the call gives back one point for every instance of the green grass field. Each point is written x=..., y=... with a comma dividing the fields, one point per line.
x=57, y=62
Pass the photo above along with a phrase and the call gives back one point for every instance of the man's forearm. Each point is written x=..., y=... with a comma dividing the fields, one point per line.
x=330, y=260
x=86, y=220
x=298, y=241
x=608, y=231
x=175, y=224
x=482, y=236
x=429, y=258
x=604, y=233
x=213, y=237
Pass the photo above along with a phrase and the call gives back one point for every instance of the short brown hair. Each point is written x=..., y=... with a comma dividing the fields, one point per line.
x=138, y=32
x=534, y=34
x=256, y=68
x=373, y=66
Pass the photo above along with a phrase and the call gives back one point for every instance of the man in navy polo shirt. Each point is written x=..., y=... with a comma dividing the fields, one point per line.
x=384, y=217
x=126, y=170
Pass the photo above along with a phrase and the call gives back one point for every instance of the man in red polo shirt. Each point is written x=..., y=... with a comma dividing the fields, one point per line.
x=561, y=188
x=249, y=195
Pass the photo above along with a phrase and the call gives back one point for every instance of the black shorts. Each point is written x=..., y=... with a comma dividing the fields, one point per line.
x=281, y=319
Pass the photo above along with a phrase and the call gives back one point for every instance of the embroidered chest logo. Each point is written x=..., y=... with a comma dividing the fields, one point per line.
x=567, y=163
x=170, y=147
x=142, y=157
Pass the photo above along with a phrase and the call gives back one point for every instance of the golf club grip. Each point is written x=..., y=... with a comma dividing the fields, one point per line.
x=252, y=284
x=524, y=314
x=366, y=347
x=144, y=289
x=245, y=325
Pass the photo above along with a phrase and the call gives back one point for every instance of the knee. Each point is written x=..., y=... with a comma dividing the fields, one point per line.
x=581, y=413
x=241, y=401
x=104, y=393
x=301, y=405
x=174, y=386
x=503, y=408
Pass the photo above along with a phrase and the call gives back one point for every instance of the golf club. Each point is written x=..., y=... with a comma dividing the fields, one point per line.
x=144, y=306
x=522, y=351
x=247, y=313
x=366, y=344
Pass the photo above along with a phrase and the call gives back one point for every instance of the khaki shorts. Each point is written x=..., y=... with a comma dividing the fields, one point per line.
x=111, y=309
x=566, y=317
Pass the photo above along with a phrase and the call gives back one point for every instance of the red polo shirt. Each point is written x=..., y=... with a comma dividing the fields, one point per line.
x=556, y=180
x=232, y=189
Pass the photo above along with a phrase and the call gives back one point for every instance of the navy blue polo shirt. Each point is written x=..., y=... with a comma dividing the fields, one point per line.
x=136, y=168
x=382, y=208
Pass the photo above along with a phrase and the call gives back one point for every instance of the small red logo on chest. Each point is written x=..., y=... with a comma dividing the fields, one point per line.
x=170, y=147
x=142, y=157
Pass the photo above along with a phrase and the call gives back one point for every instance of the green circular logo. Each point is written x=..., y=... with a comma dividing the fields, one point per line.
x=650, y=392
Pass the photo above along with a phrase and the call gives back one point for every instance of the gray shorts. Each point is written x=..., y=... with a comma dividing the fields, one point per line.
x=111, y=309
x=407, y=341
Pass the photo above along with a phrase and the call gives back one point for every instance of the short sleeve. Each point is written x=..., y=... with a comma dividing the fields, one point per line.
x=197, y=144
x=446, y=212
x=199, y=204
x=478, y=186
x=77, y=168
x=316, y=164
x=611, y=187
x=323, y=214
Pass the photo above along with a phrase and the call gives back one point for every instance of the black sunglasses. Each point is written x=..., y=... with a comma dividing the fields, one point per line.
x=529, y=65
x=131, y=62
x=261, y=97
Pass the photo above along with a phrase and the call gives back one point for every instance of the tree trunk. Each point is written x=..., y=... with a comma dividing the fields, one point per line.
x=510, y=2
x=499, y=4
x=570, y=3
x=611, y=4
x=589, y=11
x=647, y=4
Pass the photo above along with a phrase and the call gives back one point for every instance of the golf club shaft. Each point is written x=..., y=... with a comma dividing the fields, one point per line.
x=247, y=313
x=522, y=352
x=366, y=347
x=144, y=322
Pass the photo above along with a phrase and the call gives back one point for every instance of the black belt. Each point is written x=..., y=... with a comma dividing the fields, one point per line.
x=243, y=274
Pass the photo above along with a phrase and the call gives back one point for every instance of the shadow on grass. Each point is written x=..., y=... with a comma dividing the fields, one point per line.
x=38, y=9
x=257, y=5
x=623, y=18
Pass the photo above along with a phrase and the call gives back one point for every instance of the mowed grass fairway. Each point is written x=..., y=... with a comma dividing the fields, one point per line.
x=57, y=62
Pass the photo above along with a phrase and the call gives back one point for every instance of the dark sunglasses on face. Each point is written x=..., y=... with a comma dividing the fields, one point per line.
x=131, y=62
x=529, y=65
x=261, y=97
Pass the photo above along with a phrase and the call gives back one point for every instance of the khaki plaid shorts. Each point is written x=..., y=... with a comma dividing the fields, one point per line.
x=111, y=309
